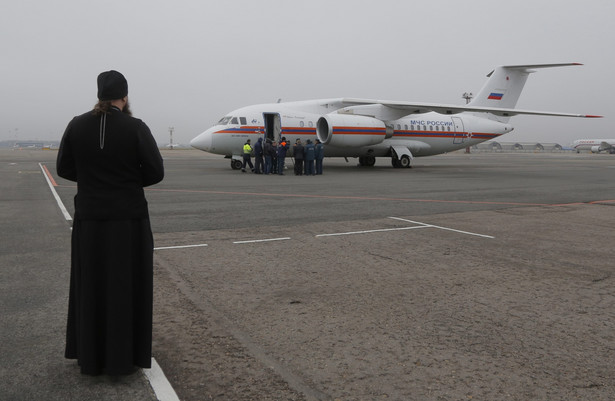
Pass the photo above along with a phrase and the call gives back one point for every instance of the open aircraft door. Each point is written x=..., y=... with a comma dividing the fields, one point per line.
x=459, y=135
x=273, y=126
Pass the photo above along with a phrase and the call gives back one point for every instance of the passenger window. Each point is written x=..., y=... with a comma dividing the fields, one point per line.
x=437, y=128
x=431, y=128
x=243, y=121
x=234, y=120
x=310, y=124
x=406, y=127
x=301, y=124
x=399, y=127
x=448, y=128
x=412, y=127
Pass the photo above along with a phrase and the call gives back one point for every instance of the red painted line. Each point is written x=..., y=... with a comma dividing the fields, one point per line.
x=53, y=182
x=598, y=202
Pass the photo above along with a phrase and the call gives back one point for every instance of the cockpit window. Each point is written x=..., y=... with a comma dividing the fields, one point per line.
x=232, y=120
x=224, y=120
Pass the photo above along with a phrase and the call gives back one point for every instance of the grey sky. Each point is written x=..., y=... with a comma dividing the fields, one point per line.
x=190, y=62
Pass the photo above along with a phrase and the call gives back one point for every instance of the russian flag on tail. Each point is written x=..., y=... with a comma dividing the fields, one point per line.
x=495, y=96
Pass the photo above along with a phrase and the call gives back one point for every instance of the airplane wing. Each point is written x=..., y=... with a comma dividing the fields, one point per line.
x=605, y=145
x=406, y=108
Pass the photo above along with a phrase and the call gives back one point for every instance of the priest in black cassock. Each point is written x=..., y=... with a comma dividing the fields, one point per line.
x=112, y=156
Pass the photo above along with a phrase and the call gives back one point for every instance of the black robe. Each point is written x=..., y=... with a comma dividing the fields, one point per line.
x=111, y=157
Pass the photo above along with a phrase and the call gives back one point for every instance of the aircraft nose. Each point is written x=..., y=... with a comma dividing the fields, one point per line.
x=202, y=142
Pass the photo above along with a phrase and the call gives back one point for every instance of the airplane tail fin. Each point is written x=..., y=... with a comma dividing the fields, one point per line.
x=505, y=84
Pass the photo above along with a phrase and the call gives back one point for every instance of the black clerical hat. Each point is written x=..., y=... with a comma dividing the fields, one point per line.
x=112, y=85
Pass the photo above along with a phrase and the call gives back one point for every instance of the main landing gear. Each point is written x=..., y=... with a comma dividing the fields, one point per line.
x=367, y=161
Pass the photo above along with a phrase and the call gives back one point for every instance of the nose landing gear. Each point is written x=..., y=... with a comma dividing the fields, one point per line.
x=401, y=157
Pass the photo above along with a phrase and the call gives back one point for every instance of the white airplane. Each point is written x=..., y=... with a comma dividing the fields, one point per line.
x=367, y=129
x=595, y=145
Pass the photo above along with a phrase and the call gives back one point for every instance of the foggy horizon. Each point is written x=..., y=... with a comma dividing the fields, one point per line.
x=189, y=63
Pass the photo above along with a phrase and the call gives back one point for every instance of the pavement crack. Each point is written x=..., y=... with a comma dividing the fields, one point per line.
x=253, y=348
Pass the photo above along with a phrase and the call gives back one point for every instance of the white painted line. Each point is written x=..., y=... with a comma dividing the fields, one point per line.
x=370, y=231
x=442, y=228
x=161, y=386
x=261, y=240
x=179, y=247
x=55, y=195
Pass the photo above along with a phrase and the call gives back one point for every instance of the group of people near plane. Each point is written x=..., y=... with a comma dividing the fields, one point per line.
x=269, y=157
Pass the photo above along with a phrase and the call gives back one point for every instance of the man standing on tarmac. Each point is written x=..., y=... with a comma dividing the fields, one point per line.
x=268, y=157
x=282, y=148
x=319, y=151
x=274, y=157
x=112, y=156
x=309, y=158
x=298, y=155
x=259, y=165
x=247, y=157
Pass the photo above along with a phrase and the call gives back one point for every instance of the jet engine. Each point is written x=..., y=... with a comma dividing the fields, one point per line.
x=350, y=130
x=596, y=149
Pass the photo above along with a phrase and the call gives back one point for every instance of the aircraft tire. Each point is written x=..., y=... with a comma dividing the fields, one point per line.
x=395, y=162
x=404, y=162
x=236, y=164
x=367, y=161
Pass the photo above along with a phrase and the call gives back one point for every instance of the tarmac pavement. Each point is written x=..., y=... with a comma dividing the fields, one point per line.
x=483, y=276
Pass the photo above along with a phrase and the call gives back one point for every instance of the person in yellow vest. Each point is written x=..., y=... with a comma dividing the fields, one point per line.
x=247, y=156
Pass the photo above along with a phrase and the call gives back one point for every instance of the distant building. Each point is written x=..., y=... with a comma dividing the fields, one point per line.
x=33, y=145
x=12, y=144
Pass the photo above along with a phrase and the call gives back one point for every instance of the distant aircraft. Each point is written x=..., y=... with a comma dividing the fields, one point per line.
x=595, y=145
x=367, y=129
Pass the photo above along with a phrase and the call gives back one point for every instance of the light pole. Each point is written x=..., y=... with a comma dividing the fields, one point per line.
x=171, y=129
x=468, y=97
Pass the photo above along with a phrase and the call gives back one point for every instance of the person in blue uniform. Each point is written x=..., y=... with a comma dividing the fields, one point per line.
x=112, y=156
x=319, y=154
x=309, y=158
x=259, y=165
